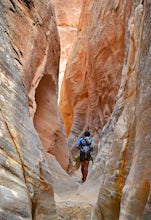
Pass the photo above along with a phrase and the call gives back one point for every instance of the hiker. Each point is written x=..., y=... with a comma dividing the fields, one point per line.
x=85, y=145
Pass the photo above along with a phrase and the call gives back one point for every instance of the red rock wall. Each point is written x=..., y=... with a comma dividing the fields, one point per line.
x=112, y=56
x=121, y=170
x=93, y=71
x=36, y=44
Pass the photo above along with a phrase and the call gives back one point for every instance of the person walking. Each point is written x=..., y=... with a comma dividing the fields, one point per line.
x=85, y=145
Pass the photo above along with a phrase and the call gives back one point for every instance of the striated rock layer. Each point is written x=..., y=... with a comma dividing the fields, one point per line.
x=29, y=58
x=122, y=167
x=35, y=43
x=93, y=71
x=113, y=43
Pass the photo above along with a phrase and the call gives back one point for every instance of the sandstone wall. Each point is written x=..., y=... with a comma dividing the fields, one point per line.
x=93, y=71
x=112, y=55
x=34, y=38
x=29, y=57
x=122, y=167
x=67, y=13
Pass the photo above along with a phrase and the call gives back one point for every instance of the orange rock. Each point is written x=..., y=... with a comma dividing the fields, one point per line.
x=67, y=13
x=93, y=71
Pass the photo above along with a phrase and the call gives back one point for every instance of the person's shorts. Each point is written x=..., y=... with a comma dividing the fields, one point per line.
x=84, y=157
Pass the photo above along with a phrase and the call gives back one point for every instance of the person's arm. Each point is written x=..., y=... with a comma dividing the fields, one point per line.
x=79, y=143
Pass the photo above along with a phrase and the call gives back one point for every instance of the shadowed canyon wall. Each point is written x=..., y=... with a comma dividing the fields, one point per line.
x=29, y=63
x=110, y=64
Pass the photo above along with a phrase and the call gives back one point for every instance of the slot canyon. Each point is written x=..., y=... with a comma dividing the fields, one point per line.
x=67, y=67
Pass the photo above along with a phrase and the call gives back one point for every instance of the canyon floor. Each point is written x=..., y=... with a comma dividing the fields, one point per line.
x=74, y=201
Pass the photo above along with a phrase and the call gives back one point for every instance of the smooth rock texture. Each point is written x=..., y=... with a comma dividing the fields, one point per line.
x=93, y=71
x=137, y=190
x=122, y=167
x=67, y=13
x=36, y=46
x=108, y=72
x=29, y=60
x=110, y=64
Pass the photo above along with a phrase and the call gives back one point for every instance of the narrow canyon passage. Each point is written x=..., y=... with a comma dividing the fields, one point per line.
x=72, y=199
x=67, y=67
x=77, y=200
x=103, y=75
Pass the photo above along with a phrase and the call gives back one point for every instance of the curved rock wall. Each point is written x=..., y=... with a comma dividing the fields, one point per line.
x=93, y=71
x=136, y=192
x=37, y=50
x=29, y=57
x=112, y=55
x=122, y=167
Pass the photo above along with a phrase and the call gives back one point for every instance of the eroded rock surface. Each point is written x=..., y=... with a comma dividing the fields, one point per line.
x=36, y=47
x=123, y=163
x=29, y=62
x=119, y=47
x=93, y=71
x=112, y=50
x=67, y=13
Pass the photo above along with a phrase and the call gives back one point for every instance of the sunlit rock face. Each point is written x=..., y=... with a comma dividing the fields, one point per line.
x=122, y=168
x=93, y=71
x=29, y=57
x=37, y=50
x=113, y=56
x=67, y=13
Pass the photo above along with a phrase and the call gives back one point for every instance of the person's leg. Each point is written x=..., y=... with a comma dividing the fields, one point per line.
x=86, y=164
x=84, y=169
